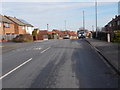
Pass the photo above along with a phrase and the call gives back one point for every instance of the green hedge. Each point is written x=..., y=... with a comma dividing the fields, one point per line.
x=100, y=36
x=114, y=36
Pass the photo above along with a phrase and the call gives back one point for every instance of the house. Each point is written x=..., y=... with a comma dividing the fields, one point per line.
x=7, y=29
x=42, y=35
x=50, y=35
x=6, y=26
x=113, y=25
x=19, y=26
x=71, y=33
x=29, y=28
x=59, y=33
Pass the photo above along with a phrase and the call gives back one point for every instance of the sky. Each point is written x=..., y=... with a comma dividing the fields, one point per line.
x=55, y=13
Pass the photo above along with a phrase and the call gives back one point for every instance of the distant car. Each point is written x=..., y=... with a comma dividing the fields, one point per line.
x=66, y=36
x=81, y=36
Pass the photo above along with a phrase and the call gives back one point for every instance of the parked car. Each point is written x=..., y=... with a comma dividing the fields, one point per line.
x=66, y=36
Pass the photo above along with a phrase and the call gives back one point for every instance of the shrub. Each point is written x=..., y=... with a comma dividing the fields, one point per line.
x=100, y=36
x=115, y=36
x=23, y=38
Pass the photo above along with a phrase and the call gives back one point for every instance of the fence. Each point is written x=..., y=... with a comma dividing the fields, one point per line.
x=7, y=37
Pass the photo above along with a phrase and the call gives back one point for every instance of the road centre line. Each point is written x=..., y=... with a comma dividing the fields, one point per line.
x=15, y=68
x=45, y=50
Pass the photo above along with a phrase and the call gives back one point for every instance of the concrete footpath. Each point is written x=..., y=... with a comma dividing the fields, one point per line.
x=108, y=50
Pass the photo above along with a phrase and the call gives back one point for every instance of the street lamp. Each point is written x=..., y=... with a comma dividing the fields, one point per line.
x=96, y=18
x=83, y=21
x=47, y=26
x=65, y=24
x=119, y=8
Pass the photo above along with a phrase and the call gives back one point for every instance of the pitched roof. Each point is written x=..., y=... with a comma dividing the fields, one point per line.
x=50, y=32
x=5, y=20
x=26, y=23
x=58, y=31
x=15, y=20
x=43, y=32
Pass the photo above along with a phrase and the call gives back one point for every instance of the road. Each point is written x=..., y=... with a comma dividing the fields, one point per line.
x=69, y=63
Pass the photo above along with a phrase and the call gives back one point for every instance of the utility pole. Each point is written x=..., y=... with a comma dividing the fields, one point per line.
x=65, y=24
x=47, y=26
x=119, y=8
x=96, y=18
x=83, y=21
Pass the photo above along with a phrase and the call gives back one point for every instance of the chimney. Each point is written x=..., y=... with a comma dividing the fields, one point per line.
x=116, y=16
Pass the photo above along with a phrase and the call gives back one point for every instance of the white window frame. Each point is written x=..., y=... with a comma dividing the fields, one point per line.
x=110, y=25
x=7, y=25
x=23, y=27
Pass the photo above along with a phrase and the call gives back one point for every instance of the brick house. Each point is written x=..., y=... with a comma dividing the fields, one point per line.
x=114, y=24
x=6, y=26
x=29, y=28
x=42, y=35
x=18, y=25
x=59, y=33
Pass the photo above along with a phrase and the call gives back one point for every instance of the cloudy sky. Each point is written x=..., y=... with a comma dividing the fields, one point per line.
x=55, y=13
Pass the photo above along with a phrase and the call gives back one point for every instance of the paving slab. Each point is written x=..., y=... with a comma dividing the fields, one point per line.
x=109, y=50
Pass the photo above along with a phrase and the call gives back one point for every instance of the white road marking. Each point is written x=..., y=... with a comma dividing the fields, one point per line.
x=15, y=68
x=1, y=46
x=45, y=50
x=37, y=49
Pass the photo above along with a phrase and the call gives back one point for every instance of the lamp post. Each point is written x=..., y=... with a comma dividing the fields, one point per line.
x=83, y=21
x=119, y=8
x=96, y=18
x=65, y=24
x=47, y=26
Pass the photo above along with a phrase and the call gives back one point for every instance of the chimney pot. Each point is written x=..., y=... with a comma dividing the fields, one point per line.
x=115, y=16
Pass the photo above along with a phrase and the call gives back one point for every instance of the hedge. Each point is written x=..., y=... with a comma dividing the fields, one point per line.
x=114, y=36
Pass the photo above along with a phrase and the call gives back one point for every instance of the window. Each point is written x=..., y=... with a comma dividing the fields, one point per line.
x=7, y=33
x=118, y=22
x=7, y=25
x=23, y=27
x=110, y=25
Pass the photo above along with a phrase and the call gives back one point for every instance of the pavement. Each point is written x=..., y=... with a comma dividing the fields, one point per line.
x=70, y=63
x=109, y=50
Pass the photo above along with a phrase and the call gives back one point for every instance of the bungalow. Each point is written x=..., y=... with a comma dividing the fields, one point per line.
x=59, y=33
x=50, y=35
x=42, y=35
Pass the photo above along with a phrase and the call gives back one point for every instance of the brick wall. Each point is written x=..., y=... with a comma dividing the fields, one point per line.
x=10, y=29
x=1, y=28
x=21, y=30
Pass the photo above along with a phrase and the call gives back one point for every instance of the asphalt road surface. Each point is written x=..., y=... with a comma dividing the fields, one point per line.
x=66, y=63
